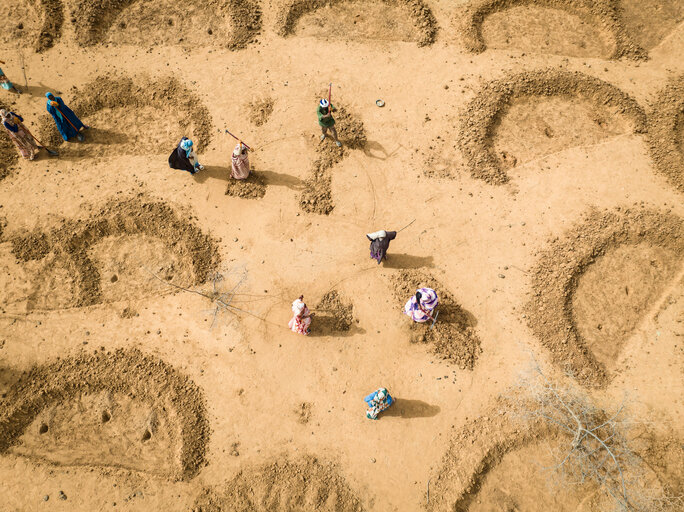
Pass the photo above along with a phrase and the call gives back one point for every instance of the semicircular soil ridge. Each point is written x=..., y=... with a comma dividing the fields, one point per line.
x=73, y=240
x=36, y=23
x=605, y=14
x=303, y=484
x=479, y=118
x=421, y=13
x=236, y=23
x=453, y=337
x=317, y=194
x=131, y=373
x=473, y=452
x=137, y=101
x=629, y=256
x=666, y=133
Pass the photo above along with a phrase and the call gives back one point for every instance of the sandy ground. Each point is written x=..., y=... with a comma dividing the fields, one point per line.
x=273, y=396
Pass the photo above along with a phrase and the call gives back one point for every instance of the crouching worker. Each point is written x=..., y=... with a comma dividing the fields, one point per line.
x=377, y=401
x=301, y=320
x=240, y=162
x=184, y=157
x=421, y=306
x=379, y=243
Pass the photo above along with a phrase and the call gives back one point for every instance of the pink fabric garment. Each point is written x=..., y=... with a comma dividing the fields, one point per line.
x=24, y=143
x=240, y=166
x=300, y=324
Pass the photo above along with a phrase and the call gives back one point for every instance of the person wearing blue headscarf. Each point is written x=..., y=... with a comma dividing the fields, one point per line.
x=67, y=123
x=184, y=157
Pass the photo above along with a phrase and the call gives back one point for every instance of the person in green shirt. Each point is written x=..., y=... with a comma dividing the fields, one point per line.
x=326, y=120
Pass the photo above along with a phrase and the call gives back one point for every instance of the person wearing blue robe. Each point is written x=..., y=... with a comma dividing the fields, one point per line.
x=377, y=401
x=67, y=123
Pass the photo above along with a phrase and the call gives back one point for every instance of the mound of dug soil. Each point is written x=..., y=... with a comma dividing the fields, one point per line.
x=475, y=138
x=155, y=112
x=36, y=23
x=602, y=13
x=666, y=133
x=593, y=286
x=253, y=187
x=333, y=315
x=227, y=23
x=453, y=337
x=75, y=243
x=283, y=486
x=421, y=14
x=317, y=194
x=124, y=373
x=260, y=111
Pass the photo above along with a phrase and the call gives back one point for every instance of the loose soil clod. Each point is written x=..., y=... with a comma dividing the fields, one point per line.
x=604, y=13
x=424, y=20
x=317, y=194
x=475, y=138
x=72, y=241
x=453, y=337
x=260, y=111
x=283, y=486
x=129, y=372
x=555, y=279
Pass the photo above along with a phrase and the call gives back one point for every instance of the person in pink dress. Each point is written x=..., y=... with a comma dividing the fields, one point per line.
x=240, y=162
x=301, y=320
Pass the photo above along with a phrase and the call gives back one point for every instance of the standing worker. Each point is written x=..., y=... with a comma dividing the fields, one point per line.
x=379, y=243
x=301, y=321
x=240, y=162
x=5, y=82
x=19, y=134
x=327, y=121
x=68, y=124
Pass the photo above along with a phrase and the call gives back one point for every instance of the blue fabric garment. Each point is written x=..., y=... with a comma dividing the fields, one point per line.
x=369, y=399
x=5, y=84
x=13, y=127
x=65, y=129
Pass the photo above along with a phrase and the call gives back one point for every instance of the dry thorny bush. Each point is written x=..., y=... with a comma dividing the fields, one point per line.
x=593, y=446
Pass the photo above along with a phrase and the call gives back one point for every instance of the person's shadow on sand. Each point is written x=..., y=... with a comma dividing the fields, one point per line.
x=407, y=409
x=407, y=261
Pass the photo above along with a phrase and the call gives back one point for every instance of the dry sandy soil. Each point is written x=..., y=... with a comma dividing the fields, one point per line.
x=539, y=146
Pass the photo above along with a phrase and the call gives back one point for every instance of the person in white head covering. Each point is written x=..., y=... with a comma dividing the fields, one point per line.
x=379, y=243
x=301, y=320
x=240, y=162
x=19, y=134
